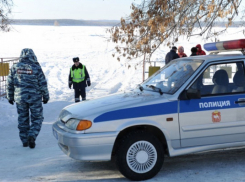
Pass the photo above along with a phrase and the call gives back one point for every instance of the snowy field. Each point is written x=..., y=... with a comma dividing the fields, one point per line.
x=55, y=47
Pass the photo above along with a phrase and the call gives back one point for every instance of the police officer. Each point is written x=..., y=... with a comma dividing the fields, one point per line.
x=79, y=78
x=27, y=86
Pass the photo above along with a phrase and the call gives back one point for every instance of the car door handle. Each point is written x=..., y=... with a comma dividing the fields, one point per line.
x=240, y=101
x=237, y=102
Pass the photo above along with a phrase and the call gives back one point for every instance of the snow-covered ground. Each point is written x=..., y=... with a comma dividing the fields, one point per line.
x=55, y=47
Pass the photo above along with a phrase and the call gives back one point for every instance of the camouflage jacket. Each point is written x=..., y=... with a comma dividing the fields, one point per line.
x=26, y=81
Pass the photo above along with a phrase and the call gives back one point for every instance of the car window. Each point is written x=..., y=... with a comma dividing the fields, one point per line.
x=172, y=76
x=221, y=79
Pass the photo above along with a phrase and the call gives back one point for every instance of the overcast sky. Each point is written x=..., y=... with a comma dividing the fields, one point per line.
x=72, y=9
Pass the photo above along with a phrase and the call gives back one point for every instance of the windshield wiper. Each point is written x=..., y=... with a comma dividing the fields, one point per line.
x=155, y=88
x=140, y=87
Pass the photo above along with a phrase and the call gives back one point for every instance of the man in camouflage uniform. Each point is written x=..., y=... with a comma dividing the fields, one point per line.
x=27, y=86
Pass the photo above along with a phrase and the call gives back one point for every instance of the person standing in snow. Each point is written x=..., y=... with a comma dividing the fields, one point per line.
x=79, y=78
x=171, y=55
x=181, y=52
x=27, y=86
x=199, y=50
x=193, y=51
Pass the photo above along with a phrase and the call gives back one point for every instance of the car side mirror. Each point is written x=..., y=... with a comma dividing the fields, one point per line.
x=193, y=93
x=190, y=94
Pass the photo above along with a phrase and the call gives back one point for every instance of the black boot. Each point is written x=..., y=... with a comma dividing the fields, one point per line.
x=32, y=143
x=25, y=144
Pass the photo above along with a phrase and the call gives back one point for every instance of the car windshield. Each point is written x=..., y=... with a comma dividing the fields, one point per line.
x=171, y=77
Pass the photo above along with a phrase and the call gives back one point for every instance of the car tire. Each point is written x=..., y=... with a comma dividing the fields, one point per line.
x=139, y=155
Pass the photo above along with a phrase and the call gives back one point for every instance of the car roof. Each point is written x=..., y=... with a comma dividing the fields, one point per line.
x=215, y=57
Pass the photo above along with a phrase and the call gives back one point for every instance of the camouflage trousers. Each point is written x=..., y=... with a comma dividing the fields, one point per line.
x=24, y=119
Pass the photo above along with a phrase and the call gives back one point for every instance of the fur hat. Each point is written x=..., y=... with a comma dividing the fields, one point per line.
x=76, y=59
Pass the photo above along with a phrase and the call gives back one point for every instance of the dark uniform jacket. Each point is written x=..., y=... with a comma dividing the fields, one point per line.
x=170, y=56
x=81, y=84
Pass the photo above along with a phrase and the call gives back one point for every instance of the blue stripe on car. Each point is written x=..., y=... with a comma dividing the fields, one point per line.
x=192, y=105
x=142, y=111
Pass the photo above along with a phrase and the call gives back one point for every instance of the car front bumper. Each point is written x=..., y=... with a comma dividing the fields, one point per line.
x=85, y=147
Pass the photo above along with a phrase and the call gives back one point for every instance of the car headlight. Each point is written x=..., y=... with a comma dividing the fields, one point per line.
x=76, y=124
x=64, y=115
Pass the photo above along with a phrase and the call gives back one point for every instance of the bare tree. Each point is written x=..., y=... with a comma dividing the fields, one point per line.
x=5, y=11
x=156, y=22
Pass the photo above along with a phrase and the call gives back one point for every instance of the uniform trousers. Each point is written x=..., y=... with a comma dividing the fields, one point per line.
x=26, y=130
x=80, y=92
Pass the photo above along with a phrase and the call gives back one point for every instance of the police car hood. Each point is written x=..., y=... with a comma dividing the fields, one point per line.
x=91, y=108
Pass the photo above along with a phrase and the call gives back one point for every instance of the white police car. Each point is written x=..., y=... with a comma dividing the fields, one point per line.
x=192, y=104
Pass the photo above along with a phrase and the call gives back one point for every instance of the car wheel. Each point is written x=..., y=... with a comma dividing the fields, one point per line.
x=139, y=155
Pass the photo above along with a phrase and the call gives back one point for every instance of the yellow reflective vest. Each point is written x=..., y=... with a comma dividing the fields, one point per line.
x=78, y=75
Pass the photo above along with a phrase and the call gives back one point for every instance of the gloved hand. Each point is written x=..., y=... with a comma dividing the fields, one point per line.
x=70, y=86
x=11, y=102
x=45, y=101
x=88, y=83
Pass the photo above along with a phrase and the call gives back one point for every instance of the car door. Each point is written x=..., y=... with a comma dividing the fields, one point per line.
x=219, y=115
